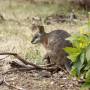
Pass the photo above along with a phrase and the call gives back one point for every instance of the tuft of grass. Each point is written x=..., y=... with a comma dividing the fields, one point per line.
x=34, y=55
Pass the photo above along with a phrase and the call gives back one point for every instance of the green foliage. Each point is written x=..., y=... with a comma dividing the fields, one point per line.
x=73, y=53
x=85, y=86
x=80, y=55
x=88, y=54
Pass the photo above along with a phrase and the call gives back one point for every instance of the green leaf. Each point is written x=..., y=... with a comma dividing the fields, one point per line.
x=74, y=71
x=73, y=57
x=88, y=76
x=73, y=53
x=78, y=65
x=88, y=54
x=85, y=86
x=71, y=50
x=87, y=66
x=72, y=38
x=89, y=25
x=82, y=58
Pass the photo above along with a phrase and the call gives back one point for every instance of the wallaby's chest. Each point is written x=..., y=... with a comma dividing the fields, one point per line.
x=49, y=42
x=45, y=42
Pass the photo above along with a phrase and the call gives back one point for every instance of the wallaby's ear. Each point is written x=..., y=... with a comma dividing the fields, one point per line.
x=41, y=29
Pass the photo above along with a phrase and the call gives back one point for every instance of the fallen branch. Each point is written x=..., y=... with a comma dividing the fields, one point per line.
x=4, y=57
x=21, y=59
x=27, y=64
x=28, y=68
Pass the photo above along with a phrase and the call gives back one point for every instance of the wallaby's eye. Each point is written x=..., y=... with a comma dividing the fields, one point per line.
x=36, y=37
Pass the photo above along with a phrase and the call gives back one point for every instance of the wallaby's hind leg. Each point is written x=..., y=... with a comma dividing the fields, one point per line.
x=46, y=59
x=68, y=65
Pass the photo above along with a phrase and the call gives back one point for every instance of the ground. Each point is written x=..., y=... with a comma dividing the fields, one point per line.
x=34, y=80
x=15, y=36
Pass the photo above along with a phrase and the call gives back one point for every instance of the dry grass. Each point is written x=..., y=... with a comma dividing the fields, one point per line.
x=15, y=32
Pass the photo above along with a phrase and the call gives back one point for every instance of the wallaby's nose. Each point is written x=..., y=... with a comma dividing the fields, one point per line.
x=32, y=41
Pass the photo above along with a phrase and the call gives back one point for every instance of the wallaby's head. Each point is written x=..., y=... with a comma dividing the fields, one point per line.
x=37, y=30
x=38, y=36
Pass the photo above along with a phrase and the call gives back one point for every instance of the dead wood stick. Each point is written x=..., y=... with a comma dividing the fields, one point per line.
x=4, y=57
x=47, y=65
x=20, y=58
x=50, y=69
x=26, y=62
x=26, y=67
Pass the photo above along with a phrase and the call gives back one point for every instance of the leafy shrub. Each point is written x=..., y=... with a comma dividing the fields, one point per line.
x=80, y=54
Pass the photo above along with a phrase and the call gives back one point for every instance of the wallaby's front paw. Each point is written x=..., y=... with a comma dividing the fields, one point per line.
x=46, y=59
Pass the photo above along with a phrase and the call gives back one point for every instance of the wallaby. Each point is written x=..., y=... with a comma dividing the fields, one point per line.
x=54, y=42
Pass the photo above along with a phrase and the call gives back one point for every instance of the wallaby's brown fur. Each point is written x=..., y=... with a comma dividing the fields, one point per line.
x=53, y=42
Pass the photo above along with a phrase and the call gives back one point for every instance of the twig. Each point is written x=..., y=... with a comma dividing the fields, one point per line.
x=47, y=65
x=50, y=69
x=4, y=57
x=21, y=59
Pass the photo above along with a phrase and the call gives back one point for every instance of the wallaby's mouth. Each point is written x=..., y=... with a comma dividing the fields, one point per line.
x=33, y=42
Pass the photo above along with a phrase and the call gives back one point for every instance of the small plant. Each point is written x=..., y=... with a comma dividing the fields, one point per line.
x=80, y=54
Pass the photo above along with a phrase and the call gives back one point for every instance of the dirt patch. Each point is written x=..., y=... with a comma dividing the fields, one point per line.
x=35, y=80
